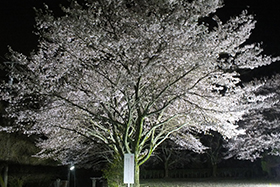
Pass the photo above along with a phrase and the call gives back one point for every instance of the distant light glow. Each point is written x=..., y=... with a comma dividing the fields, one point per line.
x=72, y=168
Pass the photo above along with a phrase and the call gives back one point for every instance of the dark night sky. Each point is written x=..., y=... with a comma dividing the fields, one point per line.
x=17, y=22
x=17, y=19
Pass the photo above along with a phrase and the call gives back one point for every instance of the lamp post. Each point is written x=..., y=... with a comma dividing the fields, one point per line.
x=72, y=170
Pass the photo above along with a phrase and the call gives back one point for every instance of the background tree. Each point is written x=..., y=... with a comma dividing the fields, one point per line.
x=214, y=141
x=166, y=156
x=170, y=155
x=261, y=139
x=262, y=126
x=270, y=165
x=17, y=149
x=128, y=74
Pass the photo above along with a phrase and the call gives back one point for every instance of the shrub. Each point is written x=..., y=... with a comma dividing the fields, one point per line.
x=114, y=173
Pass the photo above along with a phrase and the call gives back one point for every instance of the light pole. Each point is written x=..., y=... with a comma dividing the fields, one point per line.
x=72, y=170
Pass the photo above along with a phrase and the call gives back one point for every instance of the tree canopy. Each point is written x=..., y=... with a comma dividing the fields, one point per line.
x=123, y=76
x=262, y=126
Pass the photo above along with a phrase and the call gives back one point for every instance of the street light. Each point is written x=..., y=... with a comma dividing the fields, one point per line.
x=71, y=174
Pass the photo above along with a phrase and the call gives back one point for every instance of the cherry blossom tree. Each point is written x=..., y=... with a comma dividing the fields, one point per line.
x=262, y=126
x=128, y=74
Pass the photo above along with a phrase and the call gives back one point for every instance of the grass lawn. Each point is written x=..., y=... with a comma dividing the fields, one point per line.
x=207, y=183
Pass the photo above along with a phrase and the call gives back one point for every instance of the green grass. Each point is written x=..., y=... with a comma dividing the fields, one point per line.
x=208, y=183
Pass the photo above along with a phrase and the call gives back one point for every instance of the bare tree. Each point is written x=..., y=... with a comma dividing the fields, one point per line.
x=128, y=74
x=214, y=141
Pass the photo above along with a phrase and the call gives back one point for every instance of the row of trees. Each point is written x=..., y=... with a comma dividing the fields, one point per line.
x=114, y=77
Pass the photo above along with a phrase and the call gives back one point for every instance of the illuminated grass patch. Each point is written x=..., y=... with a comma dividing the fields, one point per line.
x=210, y=183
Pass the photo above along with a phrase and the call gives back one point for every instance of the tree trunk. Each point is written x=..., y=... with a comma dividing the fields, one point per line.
x=136, y=176
x=214, y=170
x=166, y=170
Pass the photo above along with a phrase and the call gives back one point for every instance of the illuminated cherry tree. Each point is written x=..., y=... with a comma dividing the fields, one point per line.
x=262, y=126
x=128, y=74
